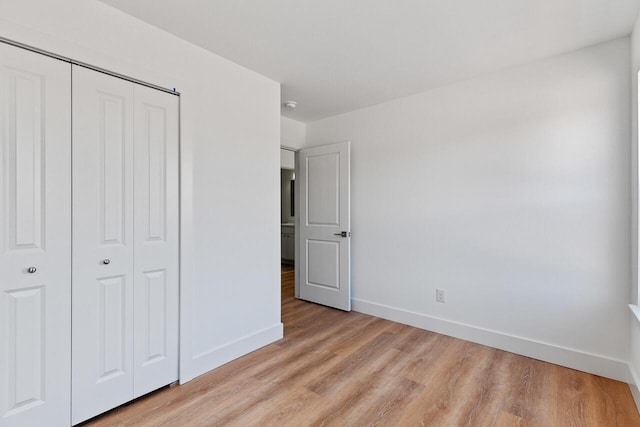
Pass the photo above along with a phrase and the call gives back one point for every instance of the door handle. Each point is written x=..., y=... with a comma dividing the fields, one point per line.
x=106, y=261
x=31, y=270
x=343, y=234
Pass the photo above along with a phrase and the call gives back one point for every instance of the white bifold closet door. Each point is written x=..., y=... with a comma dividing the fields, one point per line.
x=35, y=234
x=125, y=241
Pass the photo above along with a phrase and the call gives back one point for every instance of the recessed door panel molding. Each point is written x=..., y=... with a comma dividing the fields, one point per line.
x=112, y=187
x=156, y=272
x=103, y=247
x=324, y=232
x=155, y=314
x=35, y=234
x=323, y=195
x=26, y=344
x=25, y=162
x=112, y=339
x=154, y=132
x=323, y=264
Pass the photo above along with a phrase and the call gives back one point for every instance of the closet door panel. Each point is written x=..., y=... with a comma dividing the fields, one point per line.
x=35, y=230
x=103, y=244
x=156, y=239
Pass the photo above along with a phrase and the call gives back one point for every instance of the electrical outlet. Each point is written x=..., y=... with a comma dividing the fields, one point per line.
x=440, y=295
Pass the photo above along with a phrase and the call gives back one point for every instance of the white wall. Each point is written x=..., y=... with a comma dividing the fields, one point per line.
x=634, y=362
x=510, y=192
x=635, y=67
x=230, y=233
x=292, y=133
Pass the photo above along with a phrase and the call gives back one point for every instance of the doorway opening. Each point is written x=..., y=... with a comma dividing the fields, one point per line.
x=287, y=220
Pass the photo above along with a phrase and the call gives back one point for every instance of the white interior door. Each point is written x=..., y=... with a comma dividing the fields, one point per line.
x=35, y=230
x=156, y=281
x=324, y=225
x=103, y=244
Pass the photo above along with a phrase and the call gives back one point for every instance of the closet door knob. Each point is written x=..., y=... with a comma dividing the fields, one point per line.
x=31, y=270
x=106, y=261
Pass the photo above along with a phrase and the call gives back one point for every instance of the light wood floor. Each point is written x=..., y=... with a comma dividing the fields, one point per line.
x=350, y=369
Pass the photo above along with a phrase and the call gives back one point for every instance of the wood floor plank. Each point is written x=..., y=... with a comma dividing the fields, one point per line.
x=348, y=369
x=609, y=401
x=288, y=409
x=443, y=400
x=346, y=403
x=505, y=419
x=485, y=392
x=336, y=378
x=386, y=404
x=528, y=389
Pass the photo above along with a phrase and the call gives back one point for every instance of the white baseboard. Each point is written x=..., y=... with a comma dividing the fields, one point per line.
x=633, y=382
x=570, y=358
x=211, y=359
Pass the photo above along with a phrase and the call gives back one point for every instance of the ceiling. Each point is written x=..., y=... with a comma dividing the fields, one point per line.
x=335, y=56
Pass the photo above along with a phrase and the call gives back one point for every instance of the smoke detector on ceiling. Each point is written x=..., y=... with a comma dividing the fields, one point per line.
x=290, y=105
